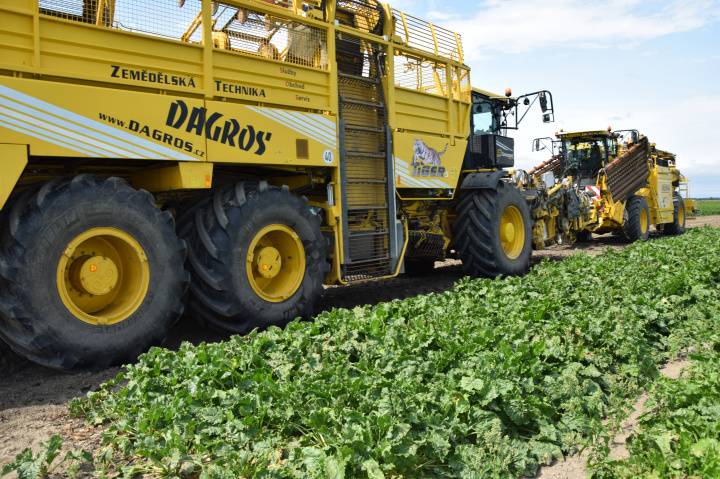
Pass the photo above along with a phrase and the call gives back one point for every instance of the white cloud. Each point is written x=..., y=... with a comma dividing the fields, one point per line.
x=520, y=26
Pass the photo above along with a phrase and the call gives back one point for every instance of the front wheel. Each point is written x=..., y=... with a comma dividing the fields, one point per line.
x=677, y=227
x=257, y=257
x=637, y=225
x=91, y=273
x=493, y=233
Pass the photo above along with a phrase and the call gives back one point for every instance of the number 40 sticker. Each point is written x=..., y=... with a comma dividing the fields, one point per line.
x=328, y=157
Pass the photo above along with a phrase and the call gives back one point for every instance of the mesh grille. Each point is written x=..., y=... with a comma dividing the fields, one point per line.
x=237, y=29
x=427, y=37
x=461, y=84
x=365, y=15
x=425, y=245
x=162, y=18
x=416, y=74
x=269, y=36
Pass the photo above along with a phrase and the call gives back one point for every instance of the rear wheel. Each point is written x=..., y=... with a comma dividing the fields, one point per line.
x=637, y=225
x=91, y=273
x=493, y=233
x=677, y=227
x=584, y=236
x=257, y=257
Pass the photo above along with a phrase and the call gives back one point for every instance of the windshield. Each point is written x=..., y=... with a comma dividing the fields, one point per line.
x=483, y=119
x=583, y=158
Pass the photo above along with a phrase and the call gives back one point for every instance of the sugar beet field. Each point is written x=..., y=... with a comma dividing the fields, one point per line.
x=489, y=379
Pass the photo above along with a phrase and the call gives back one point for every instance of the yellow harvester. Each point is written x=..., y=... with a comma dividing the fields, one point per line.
x=251, y=150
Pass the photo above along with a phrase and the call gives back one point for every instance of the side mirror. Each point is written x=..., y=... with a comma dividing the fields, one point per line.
x=546, y=118
x=215, y=6
x=543, y=104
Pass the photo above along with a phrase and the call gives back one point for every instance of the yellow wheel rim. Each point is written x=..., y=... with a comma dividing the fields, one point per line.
x=643, y=220
x=275, y=263
x=681, y=215
x=512, y=232
x=103, y=276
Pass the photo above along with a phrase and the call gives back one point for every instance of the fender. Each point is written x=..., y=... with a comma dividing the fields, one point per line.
x=483, y=179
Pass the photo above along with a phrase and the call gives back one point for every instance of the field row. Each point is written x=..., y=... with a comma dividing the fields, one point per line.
x=489, y=379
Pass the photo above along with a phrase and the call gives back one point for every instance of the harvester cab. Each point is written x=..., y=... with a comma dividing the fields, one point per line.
x=584, y=154
x=492, y=116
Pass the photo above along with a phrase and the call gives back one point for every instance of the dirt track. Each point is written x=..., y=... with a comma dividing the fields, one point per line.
x=33, y=398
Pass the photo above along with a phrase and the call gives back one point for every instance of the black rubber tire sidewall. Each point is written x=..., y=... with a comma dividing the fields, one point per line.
x=222, y=296
x=481, y=211
x=283, y=211
x=62, y=340
x=632, y=230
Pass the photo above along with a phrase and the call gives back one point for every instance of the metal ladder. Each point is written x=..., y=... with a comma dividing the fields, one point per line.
x=368, y=203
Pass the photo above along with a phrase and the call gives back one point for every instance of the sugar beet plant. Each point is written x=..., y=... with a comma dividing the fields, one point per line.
x=679, y=435
x=490, y=379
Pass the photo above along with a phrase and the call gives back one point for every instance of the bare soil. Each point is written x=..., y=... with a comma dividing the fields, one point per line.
x=33, y=399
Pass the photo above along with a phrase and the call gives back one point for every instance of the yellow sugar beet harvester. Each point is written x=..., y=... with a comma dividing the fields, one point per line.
x=251, y=150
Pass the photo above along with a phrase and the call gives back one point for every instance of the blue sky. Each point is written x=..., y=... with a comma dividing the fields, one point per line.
x=653, y=66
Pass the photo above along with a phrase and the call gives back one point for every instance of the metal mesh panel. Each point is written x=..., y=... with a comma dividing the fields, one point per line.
x=427, y=37
x=365, y=15
x=416, y=74
x=162, y=18
x=461, y=84
x=366, y=168
x=357, y=57
x=269, y=36
x=425, y=245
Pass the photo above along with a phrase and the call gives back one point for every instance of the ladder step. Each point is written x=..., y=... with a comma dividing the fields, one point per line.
x=357, y=78
x=363, y=128
x=382, y=206
x=371, y=104
x=361, y=181
x=355, y=154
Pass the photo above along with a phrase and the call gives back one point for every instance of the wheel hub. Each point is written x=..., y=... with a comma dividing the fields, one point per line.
x=103, y=276
x=269, y=262
x=96, y=275
x=275, y=263
x=509, y=232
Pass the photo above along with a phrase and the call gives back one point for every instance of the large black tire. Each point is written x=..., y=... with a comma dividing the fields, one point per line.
x=677, y=227
x=43, y=239
x=483, y=248
x=583, y=236
x=637, y=225
x=226, y=291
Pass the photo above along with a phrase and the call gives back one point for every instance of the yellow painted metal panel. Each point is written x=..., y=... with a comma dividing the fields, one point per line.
x=16, y=39
x=73, y=49
x=14, y=158
x=426, y=161
x=270, y=81
x=269, y=136
x=175, y=177
x=421, y=112
x=59, y=119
